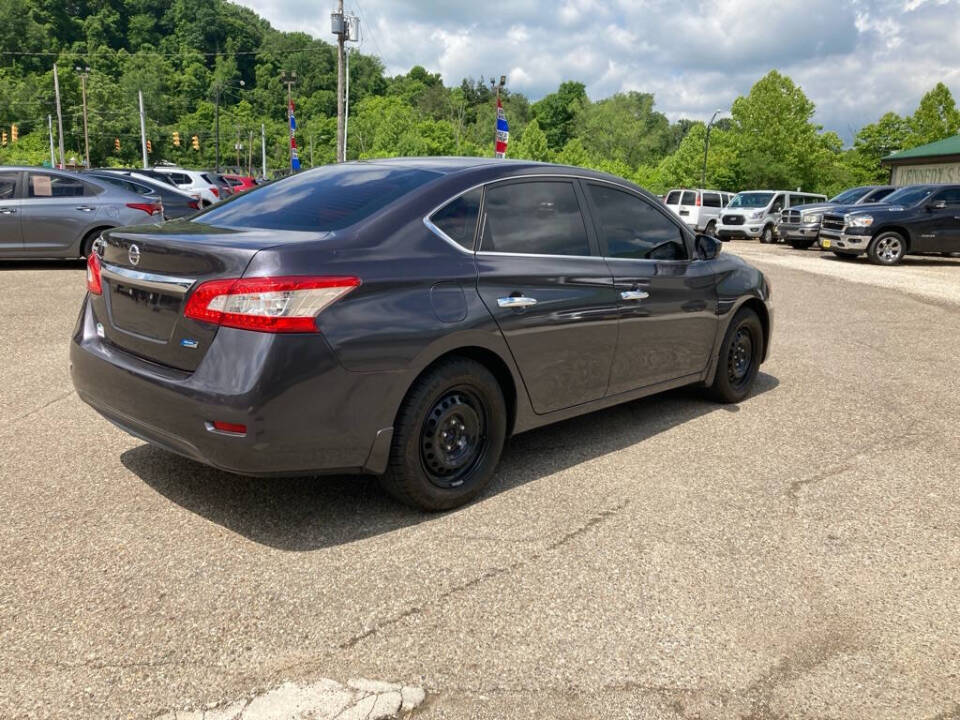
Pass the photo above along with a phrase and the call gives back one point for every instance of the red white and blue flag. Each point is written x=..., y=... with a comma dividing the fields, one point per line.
x=294, y=158
x=503, y=131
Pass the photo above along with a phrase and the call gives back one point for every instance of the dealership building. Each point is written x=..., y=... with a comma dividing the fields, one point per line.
x=936, y=162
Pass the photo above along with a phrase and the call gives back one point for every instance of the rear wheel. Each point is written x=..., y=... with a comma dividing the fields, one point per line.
x=448, y=437
x=887, y=248
x=86, y=246
x=739, y=360
x=766, y=237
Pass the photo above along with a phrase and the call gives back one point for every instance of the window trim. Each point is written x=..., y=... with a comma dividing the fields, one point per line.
x=432, y=227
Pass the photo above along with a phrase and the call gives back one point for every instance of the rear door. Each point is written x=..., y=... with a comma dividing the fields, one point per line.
x=56, y=212
x=688, y=210
x=541, y=277
x=667, y=301
x=11, y=242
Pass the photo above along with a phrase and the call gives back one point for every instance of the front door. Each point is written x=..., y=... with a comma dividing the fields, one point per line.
x=542, y=279
x=10, y=240
x=667, y=301
x=939, y=231
x=55, y=213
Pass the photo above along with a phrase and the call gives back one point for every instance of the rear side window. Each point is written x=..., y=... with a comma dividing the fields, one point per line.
x=633, y=228
x=458, y=218
x=540, y=218
x=41, y=185
x=689, y=198
x=181, y=179
x=878, y=195
x=711, y=200
x=673, y=198
x=8, y=186
x=326, y=198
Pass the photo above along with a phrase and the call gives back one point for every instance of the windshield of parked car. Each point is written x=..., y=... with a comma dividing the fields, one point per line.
x=849, y=197
x=751, y=200
x=908, y=196
x=326, y=198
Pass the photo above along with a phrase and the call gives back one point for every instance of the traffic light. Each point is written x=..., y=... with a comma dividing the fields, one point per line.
x=14, y=132
x=195, y=143
x=176, y=139
x=149, y=147
x=116, y=144
x=3, y=138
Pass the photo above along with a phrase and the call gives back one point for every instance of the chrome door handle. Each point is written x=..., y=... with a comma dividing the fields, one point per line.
x=7, y=211
x=519, y=301
x=634, y=295
x=85, y=208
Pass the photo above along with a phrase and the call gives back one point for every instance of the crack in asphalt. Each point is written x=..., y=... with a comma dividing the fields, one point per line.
x=34, y=411
x=591, y=523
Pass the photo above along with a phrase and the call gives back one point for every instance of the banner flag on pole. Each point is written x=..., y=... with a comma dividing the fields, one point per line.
x=503, y=131
x=294, y=157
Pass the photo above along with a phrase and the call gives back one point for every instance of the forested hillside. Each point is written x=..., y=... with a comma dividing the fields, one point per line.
x=182, y=54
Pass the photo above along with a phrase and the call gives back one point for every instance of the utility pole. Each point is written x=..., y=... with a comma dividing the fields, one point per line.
x=290, y=80
x=339, y=28
x=56, y=92
x=250, y=154
x=84, y=72
x=143, y=131
x=346, y=105
x=216, y=123
x=706, y=148
x=263, y=148
x=53, y=156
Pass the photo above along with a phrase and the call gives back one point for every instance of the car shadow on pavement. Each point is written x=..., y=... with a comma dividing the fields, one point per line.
x=42, y=264
x=310, y=513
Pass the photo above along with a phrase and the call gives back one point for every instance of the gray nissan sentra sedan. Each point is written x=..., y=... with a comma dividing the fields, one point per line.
x=60, y=214
x=404, y=317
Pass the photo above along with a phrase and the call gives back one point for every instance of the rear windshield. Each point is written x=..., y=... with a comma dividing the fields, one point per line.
x=326, y=198
x=751, y=199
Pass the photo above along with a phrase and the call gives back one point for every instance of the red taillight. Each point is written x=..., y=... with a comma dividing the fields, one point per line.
x=94, y=283
x=193, y=204
x=215, y=191
x=282, y=304
x=229, y=427
x=698, y=199
x=149, y=208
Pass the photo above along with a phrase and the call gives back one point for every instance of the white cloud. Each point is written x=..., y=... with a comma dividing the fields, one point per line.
x=855, y=59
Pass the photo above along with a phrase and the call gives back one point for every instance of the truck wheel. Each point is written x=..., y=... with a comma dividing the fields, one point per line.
x=739, y=360
x=887, y=248
x=766, y=237
x=448, y=437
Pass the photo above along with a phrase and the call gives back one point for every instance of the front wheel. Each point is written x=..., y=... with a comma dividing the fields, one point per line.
x=766, y=237
x=887, y=248
x=447, y=438
x=739, y=360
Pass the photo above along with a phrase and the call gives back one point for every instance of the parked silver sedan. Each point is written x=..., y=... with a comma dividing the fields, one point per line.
x=60, y=214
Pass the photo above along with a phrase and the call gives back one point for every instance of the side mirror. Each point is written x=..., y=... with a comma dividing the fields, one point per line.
x=707, y=247
x=938, y=205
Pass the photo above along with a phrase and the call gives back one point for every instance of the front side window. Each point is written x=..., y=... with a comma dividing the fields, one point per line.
x=539, y=218
x=458, y=218
x=41, y=185
x=950, y=197
x=635, y=229
x=8, y=186
x=777, y=205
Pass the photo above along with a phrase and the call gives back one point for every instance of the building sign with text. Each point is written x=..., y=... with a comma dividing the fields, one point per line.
x=926, y=174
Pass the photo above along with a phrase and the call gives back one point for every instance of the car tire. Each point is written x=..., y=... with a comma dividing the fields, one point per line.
x=887, y=248
x=739, y=359
x=766, y=237
x=86, y=245
x=845, y=255
x=448, y=437
x=801, y=244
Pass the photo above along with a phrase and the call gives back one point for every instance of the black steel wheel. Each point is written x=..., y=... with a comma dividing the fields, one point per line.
x=739, y=358
x=448, y=436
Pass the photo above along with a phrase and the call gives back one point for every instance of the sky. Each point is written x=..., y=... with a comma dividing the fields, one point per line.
x=856, y=59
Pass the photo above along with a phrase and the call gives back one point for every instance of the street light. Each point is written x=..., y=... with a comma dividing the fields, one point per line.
x=706, y=148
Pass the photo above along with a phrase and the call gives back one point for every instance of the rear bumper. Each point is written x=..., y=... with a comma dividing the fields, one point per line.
x=304, y=412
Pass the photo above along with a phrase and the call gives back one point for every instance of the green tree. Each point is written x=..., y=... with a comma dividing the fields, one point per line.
x=532, y=144
x=936, y=118
x=557, y=112
x=625, y=128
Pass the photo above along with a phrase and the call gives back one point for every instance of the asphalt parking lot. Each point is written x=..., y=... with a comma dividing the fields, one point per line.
x=794, y=556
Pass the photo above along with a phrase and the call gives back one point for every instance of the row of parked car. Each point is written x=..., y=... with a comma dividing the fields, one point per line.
x=60, y=213
x=881, y=221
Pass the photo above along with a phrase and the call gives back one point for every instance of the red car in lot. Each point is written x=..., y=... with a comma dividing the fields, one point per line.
x=240, y=183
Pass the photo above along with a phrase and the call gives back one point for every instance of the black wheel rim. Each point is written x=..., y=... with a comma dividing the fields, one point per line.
x=453, y=437
x=740, y=357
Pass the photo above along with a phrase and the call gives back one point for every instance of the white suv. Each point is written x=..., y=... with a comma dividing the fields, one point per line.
x=699, y=209
x=193, y=182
